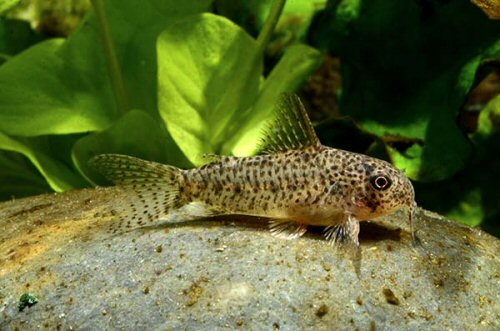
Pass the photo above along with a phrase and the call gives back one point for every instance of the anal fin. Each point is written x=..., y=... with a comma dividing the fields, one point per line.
x=287, y=229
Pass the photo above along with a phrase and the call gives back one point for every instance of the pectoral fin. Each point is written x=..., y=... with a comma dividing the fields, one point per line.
x=287, y=229
x=344, y=232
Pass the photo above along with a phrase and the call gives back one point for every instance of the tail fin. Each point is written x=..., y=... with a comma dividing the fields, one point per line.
x=154, y=188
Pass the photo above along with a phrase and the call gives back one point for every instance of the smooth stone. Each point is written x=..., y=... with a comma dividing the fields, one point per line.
x=230, y=273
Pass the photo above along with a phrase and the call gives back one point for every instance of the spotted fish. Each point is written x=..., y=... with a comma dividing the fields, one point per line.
x=294, y=182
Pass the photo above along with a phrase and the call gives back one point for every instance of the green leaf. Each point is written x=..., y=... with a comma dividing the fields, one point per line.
x=19, y=177
x=252, y=14
x=488, y=129
x=296, y=65
x=136, y=134
x=7, y=4
x=249, y=14
x=208, y=70
x=487, y=165
x=58, y=175
x=134, y=26
x=407, y=69
x=15, y=36
x=39, y=95
x=344, y=133
x=60, y=87
x=471, y=196
x=211, y=93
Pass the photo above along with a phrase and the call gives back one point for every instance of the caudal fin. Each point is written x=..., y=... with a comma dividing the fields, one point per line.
x=153, y=187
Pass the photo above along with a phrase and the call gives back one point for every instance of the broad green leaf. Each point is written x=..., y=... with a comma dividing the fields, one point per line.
x=63, y=86
x=407, y=69
x=39, y=95
x=7, y=4
x=208, y=70
x=60, y=87
x=297, y=63
x=134, y=26
x=211, y=93
x=136, y=134
x=58, y=175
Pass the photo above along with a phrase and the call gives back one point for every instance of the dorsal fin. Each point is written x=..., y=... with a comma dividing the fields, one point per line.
x=211, y=158
x=291, y=129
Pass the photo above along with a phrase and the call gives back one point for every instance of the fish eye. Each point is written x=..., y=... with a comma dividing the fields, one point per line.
x=380, y=182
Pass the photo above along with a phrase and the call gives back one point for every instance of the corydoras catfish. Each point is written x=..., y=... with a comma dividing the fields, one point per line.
x=294, y=182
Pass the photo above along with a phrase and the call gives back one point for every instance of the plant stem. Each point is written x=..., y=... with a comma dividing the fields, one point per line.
x=111, y=59
x=270, y=24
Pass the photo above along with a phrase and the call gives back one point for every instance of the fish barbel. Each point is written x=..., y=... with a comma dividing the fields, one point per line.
x=294, y=182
